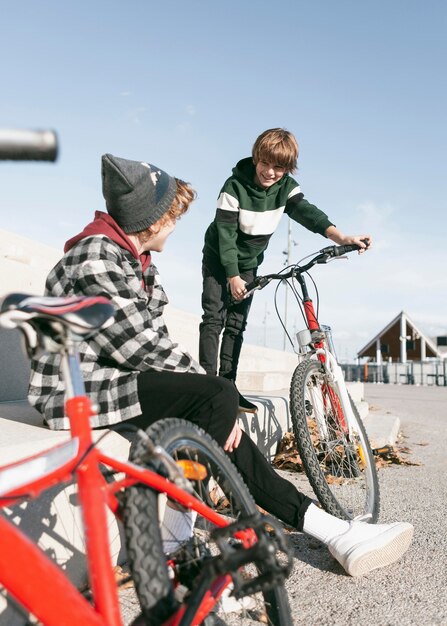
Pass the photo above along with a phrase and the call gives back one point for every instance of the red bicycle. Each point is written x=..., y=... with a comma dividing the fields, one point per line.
x=329, y=432
x=232, y=549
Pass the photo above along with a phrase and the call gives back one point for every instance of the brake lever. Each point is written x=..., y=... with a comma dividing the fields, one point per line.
x=337, y=258
x=327, y=258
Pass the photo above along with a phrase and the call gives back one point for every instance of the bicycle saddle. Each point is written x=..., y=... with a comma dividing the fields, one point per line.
x=82, y=314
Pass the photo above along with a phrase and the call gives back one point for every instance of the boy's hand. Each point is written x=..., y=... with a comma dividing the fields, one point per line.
x=237, y=287
x=234, y=438
x=363, y=241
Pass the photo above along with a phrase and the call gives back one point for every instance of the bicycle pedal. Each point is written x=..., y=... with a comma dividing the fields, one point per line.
x=268, y=549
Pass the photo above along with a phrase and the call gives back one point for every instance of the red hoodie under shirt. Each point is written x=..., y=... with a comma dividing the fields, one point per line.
x=104, y=224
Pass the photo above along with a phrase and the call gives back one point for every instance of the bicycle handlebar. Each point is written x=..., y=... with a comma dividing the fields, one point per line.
x=325, y=255
x=341, y=250
x=28, y=145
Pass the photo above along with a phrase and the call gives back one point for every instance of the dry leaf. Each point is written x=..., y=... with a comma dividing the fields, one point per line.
x=122, y=578
x=389, y=455
x=287, y=457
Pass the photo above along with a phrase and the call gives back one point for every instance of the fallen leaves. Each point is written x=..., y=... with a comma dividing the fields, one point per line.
x=393, y=455
x=287, y=457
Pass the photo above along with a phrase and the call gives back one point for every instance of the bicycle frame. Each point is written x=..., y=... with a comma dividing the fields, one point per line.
x=80, y=458
x=315, y=341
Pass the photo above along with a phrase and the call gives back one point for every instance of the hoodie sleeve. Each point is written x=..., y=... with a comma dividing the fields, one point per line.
x=227, y=224
x=138, y=338
x=305, y=213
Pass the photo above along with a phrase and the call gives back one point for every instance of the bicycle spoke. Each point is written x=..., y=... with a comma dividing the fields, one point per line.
x=335, y=454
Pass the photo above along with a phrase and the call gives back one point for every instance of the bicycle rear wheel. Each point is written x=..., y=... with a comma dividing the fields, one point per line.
x=338, y=460
x=156, y=575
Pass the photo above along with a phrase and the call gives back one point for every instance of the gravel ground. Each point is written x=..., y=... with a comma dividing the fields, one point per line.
x=411, y=592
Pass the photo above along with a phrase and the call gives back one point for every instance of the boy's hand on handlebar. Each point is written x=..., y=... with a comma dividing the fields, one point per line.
x=237, y=287
x=363, y=241
x=234, y=438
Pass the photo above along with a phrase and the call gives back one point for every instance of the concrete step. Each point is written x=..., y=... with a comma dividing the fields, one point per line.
x=382, y=428
x=273, y=417
x=264, y=381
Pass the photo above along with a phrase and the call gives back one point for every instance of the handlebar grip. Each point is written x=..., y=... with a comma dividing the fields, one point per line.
x=349, y=247
x=251, y=286
x=258, y=283
x=28, y=145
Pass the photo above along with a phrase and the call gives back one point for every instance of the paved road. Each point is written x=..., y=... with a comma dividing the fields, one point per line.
x=413, y=591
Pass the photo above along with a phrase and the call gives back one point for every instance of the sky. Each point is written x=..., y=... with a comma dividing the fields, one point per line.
x=189, y=85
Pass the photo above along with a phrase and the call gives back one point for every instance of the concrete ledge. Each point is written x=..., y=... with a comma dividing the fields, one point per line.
x=382, y=428
x=264, y=381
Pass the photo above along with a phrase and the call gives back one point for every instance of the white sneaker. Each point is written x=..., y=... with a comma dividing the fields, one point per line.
x=364, y=547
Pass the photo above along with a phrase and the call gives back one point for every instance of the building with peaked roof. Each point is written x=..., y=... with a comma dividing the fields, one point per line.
x=401, y=340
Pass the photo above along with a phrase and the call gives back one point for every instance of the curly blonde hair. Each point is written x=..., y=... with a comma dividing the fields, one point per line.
x=278, y=146
x=184, y=196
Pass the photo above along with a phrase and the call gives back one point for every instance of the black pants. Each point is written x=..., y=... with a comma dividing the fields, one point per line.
x=220, y=313
x=211, y=402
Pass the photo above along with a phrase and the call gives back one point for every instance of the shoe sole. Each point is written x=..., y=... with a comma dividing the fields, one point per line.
x=391, y=550
x=241, y=410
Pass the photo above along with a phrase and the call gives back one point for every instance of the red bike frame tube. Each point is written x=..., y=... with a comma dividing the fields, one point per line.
x=150, y=478
x=39, y=585
x=337, y=410
x=312, y=321
x=94, y=510
x=334, y=402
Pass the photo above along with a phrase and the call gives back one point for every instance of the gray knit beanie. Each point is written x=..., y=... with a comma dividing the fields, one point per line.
x=137, y=194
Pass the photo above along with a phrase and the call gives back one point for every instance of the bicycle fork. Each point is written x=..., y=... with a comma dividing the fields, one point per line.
x=334, y=374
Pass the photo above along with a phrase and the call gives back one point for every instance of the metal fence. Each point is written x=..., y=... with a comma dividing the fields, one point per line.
x=432, y=372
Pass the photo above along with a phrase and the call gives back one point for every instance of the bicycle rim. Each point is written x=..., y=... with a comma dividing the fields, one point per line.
x=338, y=460
x=166, y=569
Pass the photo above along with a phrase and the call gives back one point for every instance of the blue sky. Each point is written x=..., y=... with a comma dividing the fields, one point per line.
x=189, y=86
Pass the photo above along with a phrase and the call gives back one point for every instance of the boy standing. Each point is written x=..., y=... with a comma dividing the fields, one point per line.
x=249, y=208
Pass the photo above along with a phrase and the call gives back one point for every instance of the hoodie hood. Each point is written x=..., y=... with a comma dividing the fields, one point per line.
x=104, y=224
x=245, y=172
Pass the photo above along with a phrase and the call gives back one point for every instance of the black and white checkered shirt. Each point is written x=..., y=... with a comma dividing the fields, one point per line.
x=137, y=341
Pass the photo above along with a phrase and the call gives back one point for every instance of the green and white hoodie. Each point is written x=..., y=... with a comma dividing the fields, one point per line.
x=247, y=215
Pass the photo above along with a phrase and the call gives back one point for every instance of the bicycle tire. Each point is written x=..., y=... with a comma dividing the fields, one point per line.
x=146, y=556
x=340, y=469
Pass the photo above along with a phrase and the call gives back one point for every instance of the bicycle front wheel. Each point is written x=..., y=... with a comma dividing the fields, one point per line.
x=161, y=563
x=336, y=454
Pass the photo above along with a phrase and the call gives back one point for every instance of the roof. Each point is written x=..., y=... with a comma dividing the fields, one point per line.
x=429, y=342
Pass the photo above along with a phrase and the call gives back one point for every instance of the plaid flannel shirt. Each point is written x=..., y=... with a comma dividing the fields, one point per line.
x=137, y=341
